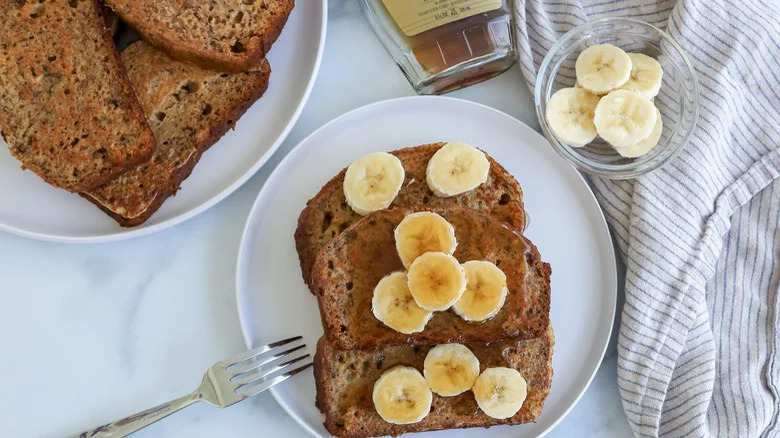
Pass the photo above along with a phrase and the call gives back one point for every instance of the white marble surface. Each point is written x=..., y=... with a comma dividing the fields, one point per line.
x=95, y=332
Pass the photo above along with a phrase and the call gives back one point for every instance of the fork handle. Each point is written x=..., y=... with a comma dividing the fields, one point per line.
x=133, y=423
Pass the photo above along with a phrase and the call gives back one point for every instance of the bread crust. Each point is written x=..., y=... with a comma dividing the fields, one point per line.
x=344, y=389
x=327, y=214
x=347, y=270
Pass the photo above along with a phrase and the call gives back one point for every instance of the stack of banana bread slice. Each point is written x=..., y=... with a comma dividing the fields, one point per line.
x=125, y=130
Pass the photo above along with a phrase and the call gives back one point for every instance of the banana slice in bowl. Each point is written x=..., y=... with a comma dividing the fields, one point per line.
x=500, y=392
x=423, y=232
x=450, y=369
x=623, y=118
x=401, y=396
x=570, y=114
x=644, y=146
x=602, y=68
x=646, y=76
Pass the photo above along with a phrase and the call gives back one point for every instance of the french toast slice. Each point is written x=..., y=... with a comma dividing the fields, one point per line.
x=348, y=268
x=327, y=214
x=189, y=108
x=345, y=380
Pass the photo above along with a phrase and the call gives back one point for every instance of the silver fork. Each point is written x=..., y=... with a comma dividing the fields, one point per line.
x=225, y=383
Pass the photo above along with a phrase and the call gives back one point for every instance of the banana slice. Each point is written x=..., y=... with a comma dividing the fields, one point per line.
x=423, y=232
x=643, y=146
x=646, y=76
x=436, y=281
x=602, y=68
x=500, y=392
x=570, y=116
x=456, y=168
x=624, y=118
x=372, y=182
x=394, y=305
x=401, y=396
x=485, y=291
x=450, y=369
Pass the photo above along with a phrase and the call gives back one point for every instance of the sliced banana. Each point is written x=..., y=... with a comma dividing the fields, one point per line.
x=372, y=182
x=570, y=116
x=456, y=168
x=602, y=68
x=644, y=146
x=436, y=281
x=624, y=118
x=646, y=76
x=485, y=293
x=450, y=369
x=500, y=392
x=423, y=232
x=401, y=396
x=394, y=305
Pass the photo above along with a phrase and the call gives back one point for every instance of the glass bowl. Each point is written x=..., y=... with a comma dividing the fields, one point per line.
x=678, y=99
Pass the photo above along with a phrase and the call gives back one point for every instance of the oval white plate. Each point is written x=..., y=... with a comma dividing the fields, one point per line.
x=566, y=224
x=31, y=208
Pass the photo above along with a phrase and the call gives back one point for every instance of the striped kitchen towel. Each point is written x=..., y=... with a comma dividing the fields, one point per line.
x=698, y=343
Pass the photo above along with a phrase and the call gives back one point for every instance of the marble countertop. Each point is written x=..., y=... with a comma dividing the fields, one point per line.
x=92, y=333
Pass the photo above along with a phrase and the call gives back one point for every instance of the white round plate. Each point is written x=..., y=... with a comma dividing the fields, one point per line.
x=31, y=208
x=566, y=224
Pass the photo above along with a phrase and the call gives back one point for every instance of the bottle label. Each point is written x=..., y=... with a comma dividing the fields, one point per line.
x=417, y=16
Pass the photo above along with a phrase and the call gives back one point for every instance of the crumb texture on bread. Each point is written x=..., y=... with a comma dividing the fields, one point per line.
x=347, y=270
x=227, y=35
x=189, y=109
x=327, y=214
x=67, y=109
x=345, y=380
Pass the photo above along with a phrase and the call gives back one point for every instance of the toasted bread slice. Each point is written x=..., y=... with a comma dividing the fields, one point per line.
x=345, y=380
x=348, y=269
x=226, y=35
x=189, y=109
x=67, y=109
x=327, y=214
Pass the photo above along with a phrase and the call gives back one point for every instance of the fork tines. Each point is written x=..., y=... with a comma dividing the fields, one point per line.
x=262, y=367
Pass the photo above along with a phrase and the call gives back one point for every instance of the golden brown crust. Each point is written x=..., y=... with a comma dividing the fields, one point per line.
x=67, y=108
x=189, y=109
x=345, y=380
x=327, y=214
x=190, y=30
x=347, y=270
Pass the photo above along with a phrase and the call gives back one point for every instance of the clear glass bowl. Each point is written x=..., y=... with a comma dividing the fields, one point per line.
x=678, y=99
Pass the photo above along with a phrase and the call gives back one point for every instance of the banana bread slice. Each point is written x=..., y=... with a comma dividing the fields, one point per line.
x=327, y=214
x=67, y=109
x=345, y=380
x=189, y=109
x=348, y=269
x=227, y=35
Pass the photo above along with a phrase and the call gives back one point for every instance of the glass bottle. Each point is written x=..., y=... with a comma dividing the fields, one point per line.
x=443, y=45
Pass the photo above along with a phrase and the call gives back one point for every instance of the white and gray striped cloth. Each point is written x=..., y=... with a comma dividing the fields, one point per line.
x=699, y=333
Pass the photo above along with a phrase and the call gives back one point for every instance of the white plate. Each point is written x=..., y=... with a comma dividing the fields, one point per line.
x=31, y=208
x=566, y=224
